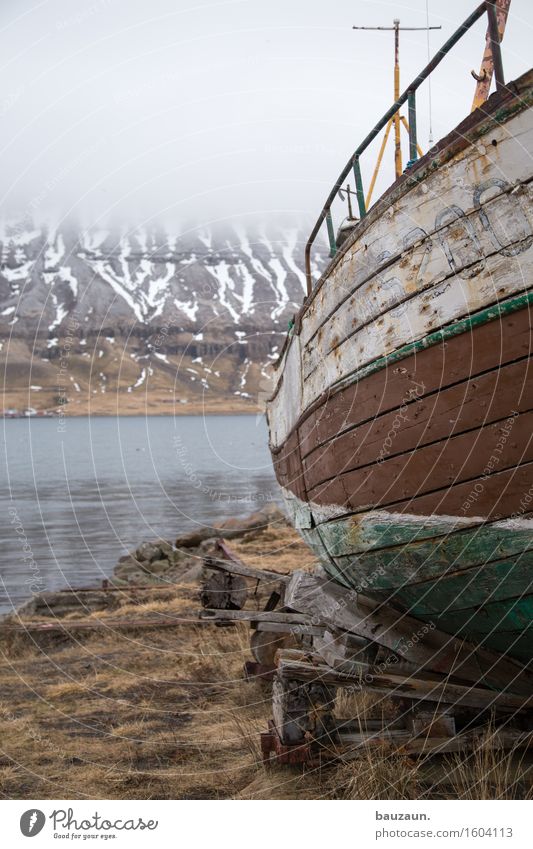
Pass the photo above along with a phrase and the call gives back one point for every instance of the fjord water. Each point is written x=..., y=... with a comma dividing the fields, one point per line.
x=78, y=496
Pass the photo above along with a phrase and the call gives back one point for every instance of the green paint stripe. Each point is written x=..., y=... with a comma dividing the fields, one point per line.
x=499, y=310
x=372, y=532
x=423, y=560
x=493, y=582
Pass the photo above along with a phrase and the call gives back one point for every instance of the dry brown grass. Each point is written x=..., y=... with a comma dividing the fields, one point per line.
x=376, y=774
x=280, y=549
x=490, y=772
x=166, y=714
x=119, y=717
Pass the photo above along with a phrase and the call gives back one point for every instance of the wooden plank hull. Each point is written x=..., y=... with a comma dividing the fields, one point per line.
x=401, y=426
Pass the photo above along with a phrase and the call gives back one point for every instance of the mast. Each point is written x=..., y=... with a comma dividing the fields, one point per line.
x=397, y=141
x=398, y=119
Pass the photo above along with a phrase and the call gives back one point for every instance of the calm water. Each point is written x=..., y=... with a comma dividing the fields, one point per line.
x=74, y=501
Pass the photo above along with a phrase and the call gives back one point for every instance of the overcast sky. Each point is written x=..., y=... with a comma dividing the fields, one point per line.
x=177, y=109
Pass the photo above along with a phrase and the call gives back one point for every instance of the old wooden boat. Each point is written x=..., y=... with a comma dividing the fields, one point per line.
x=402, y=416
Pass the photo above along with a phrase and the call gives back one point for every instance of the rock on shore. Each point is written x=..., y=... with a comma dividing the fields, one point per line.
x=155, y=562
x=159, y=561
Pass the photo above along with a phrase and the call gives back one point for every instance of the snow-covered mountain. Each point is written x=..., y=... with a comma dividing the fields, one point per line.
x=192, y=317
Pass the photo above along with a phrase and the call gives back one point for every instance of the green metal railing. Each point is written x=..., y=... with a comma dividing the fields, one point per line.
x=408, y=95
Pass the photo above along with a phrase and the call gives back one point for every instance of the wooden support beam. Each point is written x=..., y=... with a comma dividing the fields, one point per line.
x=419, y=643
x=283, y=628
x=112, y=625
x=351, y=743
x=431, y=723
x=254, y=616
x=229, y=562
x=265, y=644
x=414, y=688
x=224, y=591
x=301, y=708
x=126, y=588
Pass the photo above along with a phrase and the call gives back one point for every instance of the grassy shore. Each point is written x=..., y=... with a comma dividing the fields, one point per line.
x=166, y=714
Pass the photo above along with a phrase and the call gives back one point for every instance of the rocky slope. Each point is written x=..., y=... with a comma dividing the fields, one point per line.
x=118, y=320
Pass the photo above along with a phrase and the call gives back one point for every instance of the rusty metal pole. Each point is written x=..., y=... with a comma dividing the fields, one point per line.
x=491, y=57
x=495, y=39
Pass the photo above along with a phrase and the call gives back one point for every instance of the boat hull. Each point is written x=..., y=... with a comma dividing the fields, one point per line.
x=401, y=425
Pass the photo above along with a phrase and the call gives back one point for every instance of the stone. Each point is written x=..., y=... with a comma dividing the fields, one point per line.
x=207, y=546
x=193, y=575
x=149, y=551
x=58, y=604
x=127, y=557
x=178, y=558
x=157, y=567
x=126, y=564
x=195, y=538
x=232, y=527
x=138, y=578
x=235, y=527
x=166, y=547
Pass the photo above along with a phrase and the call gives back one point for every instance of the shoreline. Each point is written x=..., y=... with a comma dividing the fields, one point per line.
x=51, y=415
x=161, y=560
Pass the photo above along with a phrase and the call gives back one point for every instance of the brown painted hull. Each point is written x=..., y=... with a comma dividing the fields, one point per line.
x=420, y=437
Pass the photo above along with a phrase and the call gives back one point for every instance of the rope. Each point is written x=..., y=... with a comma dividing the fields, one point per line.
x=430, y=139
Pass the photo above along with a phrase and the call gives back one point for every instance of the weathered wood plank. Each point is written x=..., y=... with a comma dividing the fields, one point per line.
x=415, y=688
x=417, y=209
x=254, y=616
x=225, y=591
x=419, y=421
x=497, y=581
x=110, y=625
x=284, y=628
x=515, y=644
x=498, y=496
x=299, y=707
x=480, y=622
x=460, y=246
x=427, y=547
x=390, y=568
x=265, y=644
x=465, y=457
x=502, y=496
x=288, y=466
x=447, y=302
x=407, y=744
x=418, y=642
x=489, y=346
x=332, y=651
x=287, y=399
x=230, y=563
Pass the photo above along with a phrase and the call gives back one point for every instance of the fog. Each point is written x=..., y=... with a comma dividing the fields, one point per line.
x=176, y=110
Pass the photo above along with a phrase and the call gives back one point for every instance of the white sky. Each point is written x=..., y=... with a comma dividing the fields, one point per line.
x=184, y=110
